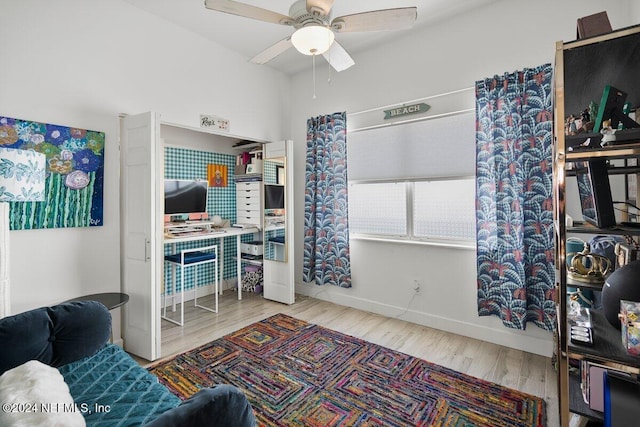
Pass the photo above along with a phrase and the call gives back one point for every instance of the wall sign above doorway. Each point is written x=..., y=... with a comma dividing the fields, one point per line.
x=213, y=122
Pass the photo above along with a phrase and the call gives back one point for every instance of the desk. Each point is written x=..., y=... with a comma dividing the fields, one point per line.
x=220, y=234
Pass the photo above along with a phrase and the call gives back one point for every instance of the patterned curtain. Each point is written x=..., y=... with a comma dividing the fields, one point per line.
x=326, y=230
x=515, y=243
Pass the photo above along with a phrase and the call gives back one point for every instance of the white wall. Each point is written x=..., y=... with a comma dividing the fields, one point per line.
x=634, y=9
x=502, y=37
x=81, y=63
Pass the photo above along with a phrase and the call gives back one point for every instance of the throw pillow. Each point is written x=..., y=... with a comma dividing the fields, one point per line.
x=35, y=395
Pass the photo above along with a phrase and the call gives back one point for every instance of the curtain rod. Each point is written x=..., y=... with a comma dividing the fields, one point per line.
x=408, y=102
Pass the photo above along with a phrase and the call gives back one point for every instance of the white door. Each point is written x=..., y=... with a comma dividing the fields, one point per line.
x=279, y=284
x=141, y=159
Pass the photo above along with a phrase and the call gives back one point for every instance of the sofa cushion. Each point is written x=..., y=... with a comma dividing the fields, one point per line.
x=34, y=394
x=80, y=329
x=221, y=406
x=115, y=390
x=54, y=335
x=25, y=337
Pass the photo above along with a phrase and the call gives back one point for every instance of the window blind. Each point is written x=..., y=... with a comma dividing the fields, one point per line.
x=441, y=147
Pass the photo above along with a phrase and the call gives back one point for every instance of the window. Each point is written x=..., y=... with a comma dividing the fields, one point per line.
x=445, y=209
x=378, y=208
x=414, y=181
x=440, y=210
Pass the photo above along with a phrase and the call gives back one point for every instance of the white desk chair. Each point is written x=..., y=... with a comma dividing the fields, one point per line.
x=191, y=258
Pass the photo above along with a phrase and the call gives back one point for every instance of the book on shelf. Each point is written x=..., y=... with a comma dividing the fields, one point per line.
x=251, y=257
x=621, y=406
x=248, y=177
x=244, y=225
x=592, y=383
x=593, y=25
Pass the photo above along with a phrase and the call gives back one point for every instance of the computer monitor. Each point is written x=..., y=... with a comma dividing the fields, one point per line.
x=273, y=196
x=595, y=193
x=183, y=197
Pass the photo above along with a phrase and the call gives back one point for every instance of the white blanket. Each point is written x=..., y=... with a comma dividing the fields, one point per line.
x=35, y=395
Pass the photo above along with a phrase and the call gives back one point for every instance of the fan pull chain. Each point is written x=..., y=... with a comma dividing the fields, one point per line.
x=313, y=59
x=330, y=66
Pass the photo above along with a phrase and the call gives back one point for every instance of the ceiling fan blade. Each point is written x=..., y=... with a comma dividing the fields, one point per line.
x=271, y=52
x=338, y=58
x=248, y=11
x=376, y=20
x=321, y=7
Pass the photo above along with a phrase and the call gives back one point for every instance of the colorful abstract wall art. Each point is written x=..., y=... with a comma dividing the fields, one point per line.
x=75, y=174
x=217, y=175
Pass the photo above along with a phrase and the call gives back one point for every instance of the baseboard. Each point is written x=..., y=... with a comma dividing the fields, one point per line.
x=203, y=291
x=508, y=338
x=229, y=284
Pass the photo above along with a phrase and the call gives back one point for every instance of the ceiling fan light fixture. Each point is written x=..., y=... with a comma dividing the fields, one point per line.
x=312, y=39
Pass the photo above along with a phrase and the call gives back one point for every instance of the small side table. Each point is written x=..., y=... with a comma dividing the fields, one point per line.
x=111, y=300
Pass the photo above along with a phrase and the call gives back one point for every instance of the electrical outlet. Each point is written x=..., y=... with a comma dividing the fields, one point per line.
x=416, y=286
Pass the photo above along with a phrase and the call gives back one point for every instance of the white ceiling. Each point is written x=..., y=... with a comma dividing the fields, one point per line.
x=249, y=37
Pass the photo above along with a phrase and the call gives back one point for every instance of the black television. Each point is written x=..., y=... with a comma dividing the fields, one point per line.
x=273, y=196
x=183, y=197
x=594, y=191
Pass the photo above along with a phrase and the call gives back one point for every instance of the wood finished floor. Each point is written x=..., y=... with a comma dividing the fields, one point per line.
x=508, y=367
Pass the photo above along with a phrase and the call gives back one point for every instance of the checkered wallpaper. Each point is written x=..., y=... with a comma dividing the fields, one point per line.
x=183, y=163
x=269, y=172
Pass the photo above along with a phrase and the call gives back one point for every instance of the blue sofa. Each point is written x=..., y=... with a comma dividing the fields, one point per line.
x=108, y=386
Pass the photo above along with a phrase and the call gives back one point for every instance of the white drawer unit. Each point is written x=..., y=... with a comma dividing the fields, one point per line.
x=249, y=218
x=250, y=185
x=249, y=203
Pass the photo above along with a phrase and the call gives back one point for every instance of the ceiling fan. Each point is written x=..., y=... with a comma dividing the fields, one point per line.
x=315, y=27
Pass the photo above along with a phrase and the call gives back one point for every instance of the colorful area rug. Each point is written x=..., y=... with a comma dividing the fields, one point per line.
x=298, y=374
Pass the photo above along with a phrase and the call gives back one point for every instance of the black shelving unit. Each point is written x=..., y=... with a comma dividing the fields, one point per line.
x=582, y=70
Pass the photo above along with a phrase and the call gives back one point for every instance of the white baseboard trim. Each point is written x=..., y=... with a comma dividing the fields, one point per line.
x=229, y=284
x=203, y=290
x=508, y=338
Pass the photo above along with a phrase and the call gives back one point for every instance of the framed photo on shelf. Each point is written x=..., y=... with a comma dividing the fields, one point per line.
x=625, y=254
